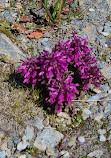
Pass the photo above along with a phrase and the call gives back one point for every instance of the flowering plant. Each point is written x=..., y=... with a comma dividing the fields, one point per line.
x=54, y=70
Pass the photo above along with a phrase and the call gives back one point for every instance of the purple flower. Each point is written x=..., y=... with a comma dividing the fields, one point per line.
x=54, y=70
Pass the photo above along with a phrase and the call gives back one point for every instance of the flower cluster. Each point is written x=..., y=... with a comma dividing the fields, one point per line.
x=52, y=69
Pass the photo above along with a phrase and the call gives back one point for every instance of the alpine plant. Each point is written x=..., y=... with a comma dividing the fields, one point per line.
x=53, y=70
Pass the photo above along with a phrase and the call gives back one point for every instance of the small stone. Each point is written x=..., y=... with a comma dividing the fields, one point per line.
x=22, y=156
x=96, y=153
x=2, y=154
x=91, y=10
x=45, y=42
x=102, y=131
x=72, y=142
x=69, y=122
x=102, y=138
x=22, y=145
x=40, y=145
x=29, y=133
x=105, y=33
x=16, y=141
x=86, y=113
x=64, y=154
x=49, y=151
x=49, y=137
x=64, y=115
x=98, y=117
x=81, y=139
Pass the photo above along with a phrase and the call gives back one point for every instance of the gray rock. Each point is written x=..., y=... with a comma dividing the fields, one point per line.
x=16, y=141
x=102, y=138
x=29, y=133
x=45, y=42
x=38, y=123
x=96, y=153
x=10, y=50
x=49, y=137
x=7, y=15
x=81, y=139
x=91, y=9
x=86, y=113
x=2, y=154
x=22, y=145
x=98, y=117
x=102, y=131
x=108, y=109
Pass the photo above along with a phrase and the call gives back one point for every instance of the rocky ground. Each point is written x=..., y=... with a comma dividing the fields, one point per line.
x=26, y=129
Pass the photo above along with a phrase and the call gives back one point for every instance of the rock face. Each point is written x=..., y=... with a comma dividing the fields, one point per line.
x=48, y=138
x=9, y=49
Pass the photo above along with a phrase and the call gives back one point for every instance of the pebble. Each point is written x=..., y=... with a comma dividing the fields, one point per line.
x=22, y=145
x=64, y=154
x=91, y=10
x=15, y=141
x=101, y=131
x=29, y=133
x=86, y=113
x=64, y=115
x=81, y=139
x=45, y=42
x=102, y=138
x=96, y=153
x=98, y=117
x=105, y=33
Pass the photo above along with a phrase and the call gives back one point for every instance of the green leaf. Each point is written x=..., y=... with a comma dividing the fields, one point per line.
x=55, y=9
